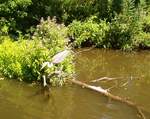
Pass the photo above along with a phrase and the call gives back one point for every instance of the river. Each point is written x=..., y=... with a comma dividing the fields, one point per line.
x=19, y=100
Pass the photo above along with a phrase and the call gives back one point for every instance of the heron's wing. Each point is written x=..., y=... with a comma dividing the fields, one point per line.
x=59, y=57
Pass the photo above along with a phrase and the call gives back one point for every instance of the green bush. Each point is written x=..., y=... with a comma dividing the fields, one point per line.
x=145, y=44
x=143, y=40
x=4, y=27
x=53, y=36
x=118, y=36
x=83, y=9
x=88, y=33
x=146, y=24
x=22, y=59
x=122, y=32
x=14, y=12
x=22, y=14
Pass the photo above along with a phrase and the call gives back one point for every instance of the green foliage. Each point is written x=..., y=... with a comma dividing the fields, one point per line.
x=4, y=27
x=14, y=12
x=118, y=36
x=83, y=9
x=22, y=59
x=142, y=37
x=53, y=36
x=117, y=6
x=22, y=14
x=122, y=31
x=146, y=24
x=88, y=32
x=143, y=40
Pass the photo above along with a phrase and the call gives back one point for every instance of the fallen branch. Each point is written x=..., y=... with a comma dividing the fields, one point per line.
x=106, y=93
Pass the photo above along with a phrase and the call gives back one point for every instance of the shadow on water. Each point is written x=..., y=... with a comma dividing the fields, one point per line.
x=22, y=101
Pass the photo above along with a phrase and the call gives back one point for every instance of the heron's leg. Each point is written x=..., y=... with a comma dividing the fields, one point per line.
x=46, y=88
x=44, y=81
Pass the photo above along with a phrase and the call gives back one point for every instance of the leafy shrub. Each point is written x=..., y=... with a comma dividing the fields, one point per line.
x=22, y=59
x=54, y=37
x=122, y=32
x=14, y=12
x=143, y=40
x=118, y=36
x=88, y=32
x=22, y=14
x=146, y=24
x=145, y=44
x=83, y=9
x=4, y=27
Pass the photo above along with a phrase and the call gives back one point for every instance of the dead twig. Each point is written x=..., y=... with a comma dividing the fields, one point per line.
x=109, y=95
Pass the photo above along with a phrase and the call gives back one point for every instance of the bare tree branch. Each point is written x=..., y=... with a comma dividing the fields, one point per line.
x=107, y=94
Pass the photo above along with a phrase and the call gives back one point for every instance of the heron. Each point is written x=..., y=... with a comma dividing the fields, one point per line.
x=56, y=59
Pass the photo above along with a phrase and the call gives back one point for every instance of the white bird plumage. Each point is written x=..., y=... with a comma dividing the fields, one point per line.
x=48, y=64
x=58, y=58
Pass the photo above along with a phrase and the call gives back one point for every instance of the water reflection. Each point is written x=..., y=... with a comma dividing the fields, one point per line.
x=19, y=101
x=97, y=63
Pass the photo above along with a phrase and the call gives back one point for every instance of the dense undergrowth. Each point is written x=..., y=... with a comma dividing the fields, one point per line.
x=127, y=31
x=27, y=40
x=23, y=59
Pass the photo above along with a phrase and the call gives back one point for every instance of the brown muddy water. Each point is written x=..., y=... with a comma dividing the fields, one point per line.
x=19, y=100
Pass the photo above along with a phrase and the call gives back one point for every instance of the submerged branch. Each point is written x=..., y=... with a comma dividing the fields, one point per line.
x=114, y=78
x=106, y=93
x=103, y=78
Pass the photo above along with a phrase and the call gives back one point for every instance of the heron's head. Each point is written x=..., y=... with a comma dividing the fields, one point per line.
x=46, y=64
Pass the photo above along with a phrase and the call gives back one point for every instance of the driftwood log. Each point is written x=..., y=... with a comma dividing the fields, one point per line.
x=111, y=96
